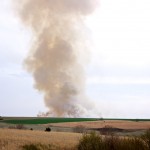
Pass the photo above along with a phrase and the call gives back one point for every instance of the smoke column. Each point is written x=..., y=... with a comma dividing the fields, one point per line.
x=58, y=52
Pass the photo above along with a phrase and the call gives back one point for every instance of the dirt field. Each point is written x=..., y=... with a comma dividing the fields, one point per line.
x=101, y=124
x=12, y=139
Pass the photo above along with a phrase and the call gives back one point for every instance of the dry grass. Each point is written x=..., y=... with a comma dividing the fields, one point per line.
x=113, y=123
x=12, y=139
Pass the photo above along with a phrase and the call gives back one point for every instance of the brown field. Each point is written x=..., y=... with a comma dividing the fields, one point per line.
x=113, y=123
x=12, y=139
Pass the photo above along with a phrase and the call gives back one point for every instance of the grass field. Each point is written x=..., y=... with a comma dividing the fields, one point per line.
x=11, y=139
x=112, y=123
x=64, y=138
x=121, y=126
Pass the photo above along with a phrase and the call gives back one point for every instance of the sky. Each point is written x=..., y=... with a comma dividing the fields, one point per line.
x=118, y=73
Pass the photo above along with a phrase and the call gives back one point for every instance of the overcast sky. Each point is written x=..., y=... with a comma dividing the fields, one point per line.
x=118, y=75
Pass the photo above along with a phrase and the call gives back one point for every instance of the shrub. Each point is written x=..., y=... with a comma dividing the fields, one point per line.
x=48, y=129
x=131, y=143
x=91, y=141
x=146, y=138
x=20, y=126
x=112, y=142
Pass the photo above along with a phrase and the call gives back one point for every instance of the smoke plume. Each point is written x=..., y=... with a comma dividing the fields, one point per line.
x=58, y=52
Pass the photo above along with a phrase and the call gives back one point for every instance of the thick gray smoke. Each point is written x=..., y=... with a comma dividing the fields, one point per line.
x=58, y=53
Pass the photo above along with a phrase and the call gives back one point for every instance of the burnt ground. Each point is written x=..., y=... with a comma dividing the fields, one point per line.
x=119, y=131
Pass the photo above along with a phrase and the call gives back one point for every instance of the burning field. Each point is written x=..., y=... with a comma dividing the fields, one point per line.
x=57, y=59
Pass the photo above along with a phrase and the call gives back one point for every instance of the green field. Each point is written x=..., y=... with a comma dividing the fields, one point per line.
x=15, y=120
x=46, y=120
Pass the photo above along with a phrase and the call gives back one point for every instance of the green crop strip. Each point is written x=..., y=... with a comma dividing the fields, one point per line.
x=47, y=120
x=33, y=120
